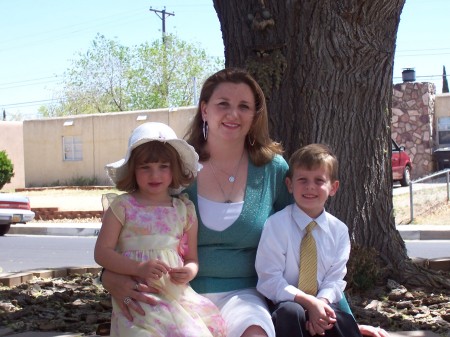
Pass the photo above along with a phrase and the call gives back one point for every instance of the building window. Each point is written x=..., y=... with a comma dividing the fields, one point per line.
x=444, y=131
x=72, y=148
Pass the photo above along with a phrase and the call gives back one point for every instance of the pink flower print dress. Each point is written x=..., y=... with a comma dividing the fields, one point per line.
x=156, y=232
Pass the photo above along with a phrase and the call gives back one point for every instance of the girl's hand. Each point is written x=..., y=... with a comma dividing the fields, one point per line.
x=152, y=269
x=123, y=286
x=181, y=275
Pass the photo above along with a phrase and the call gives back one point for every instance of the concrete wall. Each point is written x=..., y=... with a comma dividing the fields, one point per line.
x=104, y=139
x=442, y=105
x=11, y=141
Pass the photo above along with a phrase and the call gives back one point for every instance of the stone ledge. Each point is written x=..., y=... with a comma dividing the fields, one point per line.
x=14, y=279
x=53, y=213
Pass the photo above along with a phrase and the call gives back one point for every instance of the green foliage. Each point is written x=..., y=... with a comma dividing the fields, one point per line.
x=75, y=181
x=444, y=81
x=268, y=69
x=363, y=268
x=6, y=169
x=110, y=77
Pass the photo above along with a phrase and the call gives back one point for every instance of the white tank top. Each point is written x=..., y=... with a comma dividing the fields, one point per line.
x=218, y=216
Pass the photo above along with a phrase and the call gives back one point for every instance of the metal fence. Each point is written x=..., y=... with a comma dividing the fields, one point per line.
x=438, y=175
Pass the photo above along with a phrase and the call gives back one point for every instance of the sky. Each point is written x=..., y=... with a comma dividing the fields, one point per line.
x=39, y=38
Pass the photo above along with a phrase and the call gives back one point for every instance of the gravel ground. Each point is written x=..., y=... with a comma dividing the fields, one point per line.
x=79, y=304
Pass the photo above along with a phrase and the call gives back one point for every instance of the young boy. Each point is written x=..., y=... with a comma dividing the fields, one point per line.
x=306, y=306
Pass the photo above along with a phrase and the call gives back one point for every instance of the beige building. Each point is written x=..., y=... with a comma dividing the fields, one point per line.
x=67, y=150
x=442, y=116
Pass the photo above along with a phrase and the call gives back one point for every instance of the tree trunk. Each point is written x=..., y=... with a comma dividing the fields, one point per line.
x=326, y=69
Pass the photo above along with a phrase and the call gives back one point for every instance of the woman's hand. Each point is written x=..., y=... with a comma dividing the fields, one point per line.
x=368, y=330
x=128, y=293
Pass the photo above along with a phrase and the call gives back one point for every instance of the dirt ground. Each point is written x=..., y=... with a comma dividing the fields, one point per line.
x=91, y=200
x=67, y=199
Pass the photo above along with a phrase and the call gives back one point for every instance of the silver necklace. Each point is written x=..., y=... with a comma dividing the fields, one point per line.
x=227, y=198
x=231, y=177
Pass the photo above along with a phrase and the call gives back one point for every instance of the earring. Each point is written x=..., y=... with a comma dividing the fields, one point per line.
x=205, y=130
x=250, y=141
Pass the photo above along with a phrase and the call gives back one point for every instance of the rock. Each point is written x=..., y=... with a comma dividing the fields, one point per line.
x=446, y=317
x=405, y=305
x=372, y=305
x=435, y=299
x=391, y=284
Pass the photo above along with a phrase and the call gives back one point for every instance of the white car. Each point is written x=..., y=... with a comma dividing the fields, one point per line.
x=14, y=209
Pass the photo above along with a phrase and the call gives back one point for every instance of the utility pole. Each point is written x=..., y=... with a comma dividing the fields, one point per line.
x=162, y=15
x=164, y=85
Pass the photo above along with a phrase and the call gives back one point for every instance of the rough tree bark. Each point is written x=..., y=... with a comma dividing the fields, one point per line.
x=326, y=69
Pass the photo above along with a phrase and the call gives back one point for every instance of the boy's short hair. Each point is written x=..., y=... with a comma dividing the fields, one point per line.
x=312, y=156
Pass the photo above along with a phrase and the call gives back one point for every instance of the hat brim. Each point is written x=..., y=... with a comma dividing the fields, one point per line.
x=117, y=170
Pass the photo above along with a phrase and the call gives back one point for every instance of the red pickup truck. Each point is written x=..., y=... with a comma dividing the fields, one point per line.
x=401, y=165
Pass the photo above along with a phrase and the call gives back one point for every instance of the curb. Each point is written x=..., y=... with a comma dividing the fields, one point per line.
x=407, y=232
x=57, y=229
x=424, y=232
x=14, y=279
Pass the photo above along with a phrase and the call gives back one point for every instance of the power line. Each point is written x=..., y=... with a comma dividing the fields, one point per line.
x=30, y=103
x=26, y=83
x=420, y=50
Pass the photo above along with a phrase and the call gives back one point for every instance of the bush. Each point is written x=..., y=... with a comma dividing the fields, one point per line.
x=363, y=268
x=6, y=169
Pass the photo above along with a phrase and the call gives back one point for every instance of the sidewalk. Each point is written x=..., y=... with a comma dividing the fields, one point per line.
x=408, y=232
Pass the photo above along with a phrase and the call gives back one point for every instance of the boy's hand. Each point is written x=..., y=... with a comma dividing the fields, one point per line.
x=321, y=316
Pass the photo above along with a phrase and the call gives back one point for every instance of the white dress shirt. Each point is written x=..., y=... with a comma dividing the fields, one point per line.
x=278, y=255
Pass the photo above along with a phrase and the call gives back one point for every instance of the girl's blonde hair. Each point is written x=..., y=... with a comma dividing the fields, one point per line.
x=259, y=145
x=154, y=152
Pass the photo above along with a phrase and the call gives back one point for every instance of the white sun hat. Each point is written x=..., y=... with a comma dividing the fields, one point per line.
x=152, y=131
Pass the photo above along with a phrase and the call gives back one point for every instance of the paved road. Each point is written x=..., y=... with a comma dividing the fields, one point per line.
x=25, y=252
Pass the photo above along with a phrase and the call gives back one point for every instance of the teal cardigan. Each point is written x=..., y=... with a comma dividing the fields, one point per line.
x=227, y=258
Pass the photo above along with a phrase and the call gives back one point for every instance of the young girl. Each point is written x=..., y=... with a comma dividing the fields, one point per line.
x=143, y=234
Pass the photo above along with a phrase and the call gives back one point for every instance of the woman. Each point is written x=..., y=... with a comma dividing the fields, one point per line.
x=240, y=184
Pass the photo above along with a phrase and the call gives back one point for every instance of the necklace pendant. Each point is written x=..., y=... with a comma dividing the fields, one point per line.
x=228, y=201
x=231, y=179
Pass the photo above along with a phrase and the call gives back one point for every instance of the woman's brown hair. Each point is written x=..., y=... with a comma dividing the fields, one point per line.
x=154, y=152
x=260, y=146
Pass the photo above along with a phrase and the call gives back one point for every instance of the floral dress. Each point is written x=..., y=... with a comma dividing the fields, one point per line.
x=156, y=232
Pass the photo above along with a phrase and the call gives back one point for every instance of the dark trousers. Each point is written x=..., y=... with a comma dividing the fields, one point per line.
x=290, y=319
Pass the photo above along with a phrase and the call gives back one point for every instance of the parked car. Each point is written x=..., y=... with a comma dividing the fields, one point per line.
x=401, y=165
x=14, y=209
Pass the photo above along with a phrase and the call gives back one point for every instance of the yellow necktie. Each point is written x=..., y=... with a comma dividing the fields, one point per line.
x=307, y=281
